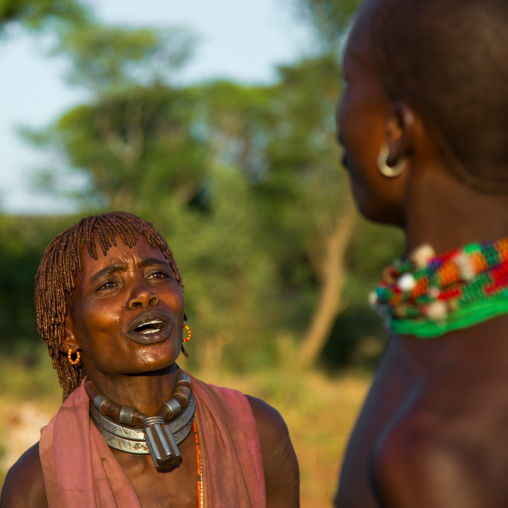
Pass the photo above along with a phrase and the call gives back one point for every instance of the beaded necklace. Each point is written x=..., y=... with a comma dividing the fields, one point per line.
x=200, y=470
x=428, y=295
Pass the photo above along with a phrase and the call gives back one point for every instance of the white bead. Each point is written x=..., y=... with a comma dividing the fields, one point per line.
x=465, y=266
x=406, y=282
x=422, y=255
x=437, y=311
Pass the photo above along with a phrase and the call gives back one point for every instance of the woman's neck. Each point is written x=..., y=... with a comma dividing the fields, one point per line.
x=145, y=392
x=446, y=213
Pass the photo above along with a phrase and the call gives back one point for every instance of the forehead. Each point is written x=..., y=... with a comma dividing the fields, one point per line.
x=119, y=254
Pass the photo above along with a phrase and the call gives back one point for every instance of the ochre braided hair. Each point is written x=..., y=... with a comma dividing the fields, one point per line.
x=59, y=266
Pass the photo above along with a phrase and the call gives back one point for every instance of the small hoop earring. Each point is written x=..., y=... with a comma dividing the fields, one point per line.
x=384, y=169
x=69, y=356
x=188, y=333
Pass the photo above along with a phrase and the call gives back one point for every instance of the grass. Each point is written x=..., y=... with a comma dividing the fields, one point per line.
x=318, y=409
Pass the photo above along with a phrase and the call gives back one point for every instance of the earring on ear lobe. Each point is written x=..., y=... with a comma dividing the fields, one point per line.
x=186, y=339
x=384, y=169
x=188, y=333
x=71, y=360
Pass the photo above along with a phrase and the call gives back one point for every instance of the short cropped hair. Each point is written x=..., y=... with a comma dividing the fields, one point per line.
x=449, y=60
x=59, y=266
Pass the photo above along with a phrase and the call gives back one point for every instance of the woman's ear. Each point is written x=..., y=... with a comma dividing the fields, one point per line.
x=400, y=129
x=69, y=341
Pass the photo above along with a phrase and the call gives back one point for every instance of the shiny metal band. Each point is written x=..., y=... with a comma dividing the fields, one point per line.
x=123, y=444
x=174, y=407
x=99, y=400
x=132, y=439
x=126, y=414
x=180, y=422
x=114, y=428
x=183, y=378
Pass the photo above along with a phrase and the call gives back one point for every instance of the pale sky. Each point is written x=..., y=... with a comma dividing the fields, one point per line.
x=242, y=40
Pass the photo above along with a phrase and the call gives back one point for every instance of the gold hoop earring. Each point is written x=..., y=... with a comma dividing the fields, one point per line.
x=384, y=169
x=69, y=356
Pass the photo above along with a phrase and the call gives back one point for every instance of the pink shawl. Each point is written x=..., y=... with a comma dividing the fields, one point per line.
x=81, y=471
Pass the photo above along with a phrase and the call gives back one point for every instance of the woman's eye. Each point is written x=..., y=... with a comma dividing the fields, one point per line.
x=157, y=275
x=106, y=285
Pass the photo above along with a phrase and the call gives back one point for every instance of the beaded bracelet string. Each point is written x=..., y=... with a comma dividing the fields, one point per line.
x=428, y=295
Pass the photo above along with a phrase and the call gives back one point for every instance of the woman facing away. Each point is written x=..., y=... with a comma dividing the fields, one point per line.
x=134, y=429
x=424, y=124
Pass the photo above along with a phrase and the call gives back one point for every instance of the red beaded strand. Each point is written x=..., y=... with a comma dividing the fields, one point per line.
x=188, y=333
x=200, y=471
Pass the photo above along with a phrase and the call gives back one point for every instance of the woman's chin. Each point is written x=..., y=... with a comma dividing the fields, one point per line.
x=158, y=358
x=377, y=211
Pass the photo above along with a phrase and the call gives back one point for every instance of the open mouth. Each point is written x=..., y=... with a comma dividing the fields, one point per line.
x=150, y=328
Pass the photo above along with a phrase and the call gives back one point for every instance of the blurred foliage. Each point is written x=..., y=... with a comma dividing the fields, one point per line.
x=43, y=14
x=22, y=242
x=105, y=59
x=135, y=147
x=33, y=380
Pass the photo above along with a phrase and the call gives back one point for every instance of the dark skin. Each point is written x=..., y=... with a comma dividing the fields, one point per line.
x=109, y=294
x=433, y=431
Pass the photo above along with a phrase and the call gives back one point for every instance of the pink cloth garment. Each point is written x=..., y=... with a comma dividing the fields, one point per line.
x=81, y=471
x=232, y=461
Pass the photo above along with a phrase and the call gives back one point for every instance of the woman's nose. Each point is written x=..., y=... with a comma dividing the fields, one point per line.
x=142, y=296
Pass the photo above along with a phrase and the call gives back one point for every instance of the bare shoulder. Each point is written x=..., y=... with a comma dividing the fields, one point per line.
x=424, y=462
x=271, y=425
x=24, y=484
x=282, y=475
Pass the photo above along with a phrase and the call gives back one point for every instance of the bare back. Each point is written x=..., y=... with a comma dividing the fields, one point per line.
x=434, y=428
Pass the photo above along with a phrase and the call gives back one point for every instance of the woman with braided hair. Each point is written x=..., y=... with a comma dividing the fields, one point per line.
x=424, y=124
x=134, y=430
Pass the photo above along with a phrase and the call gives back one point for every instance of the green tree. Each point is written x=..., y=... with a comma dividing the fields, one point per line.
x=135, y=147
x=283, y=139
x=43, y=14
x=318, y=211
x=135, y=125
x=22, y=241
x=108, y=59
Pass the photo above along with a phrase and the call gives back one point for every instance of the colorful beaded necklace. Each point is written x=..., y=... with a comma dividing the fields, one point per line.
x=428, y=295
